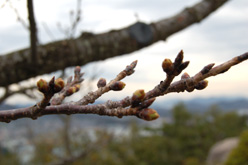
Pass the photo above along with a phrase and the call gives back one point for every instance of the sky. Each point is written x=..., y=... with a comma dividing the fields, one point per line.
x=220, y=37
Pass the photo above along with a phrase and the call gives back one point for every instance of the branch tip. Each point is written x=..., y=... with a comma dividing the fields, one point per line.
x=179, y=59
x=77, y=70
x=42, y=86
x=167, y=66
x=130, y=68
x=183, y=66
x=207, y=68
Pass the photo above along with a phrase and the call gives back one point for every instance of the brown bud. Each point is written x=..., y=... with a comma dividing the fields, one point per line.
x=183, y=65
x=179, y=59
x=185, y=76
x=147, y=103
x=201, y=85
x=130, y=68
x=58, y=85
x=77, y=86
x=148, y=114
x=117, y=86
x=43, y=86
x=51, y=82
x=167, y=65
x=138, y=95
x=207, y=68
x=77, y=70
x=101, y=82
x=72, y=90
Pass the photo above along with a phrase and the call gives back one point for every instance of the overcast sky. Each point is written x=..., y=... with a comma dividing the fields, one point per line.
x=220, y=37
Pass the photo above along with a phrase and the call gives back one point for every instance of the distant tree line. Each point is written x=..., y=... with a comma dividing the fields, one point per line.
x=187, y=140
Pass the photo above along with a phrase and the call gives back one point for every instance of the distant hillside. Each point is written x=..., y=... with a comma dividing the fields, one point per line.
x=163, y=108
x=203, y=104
x=225, y=104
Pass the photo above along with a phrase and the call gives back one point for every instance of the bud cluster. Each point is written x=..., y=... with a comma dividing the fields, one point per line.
x=72, y=89
x=54, y=86
x=175, y=68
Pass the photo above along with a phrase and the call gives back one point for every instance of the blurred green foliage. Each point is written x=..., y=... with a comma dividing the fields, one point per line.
x=8, y=157
x=240, y=154
x=184, y=141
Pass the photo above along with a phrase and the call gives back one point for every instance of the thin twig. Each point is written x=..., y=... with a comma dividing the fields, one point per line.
x=92, y=96
x=32, y=30
x=21, y=90
x=138, y=104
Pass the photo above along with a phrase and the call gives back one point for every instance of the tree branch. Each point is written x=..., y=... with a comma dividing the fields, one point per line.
x=89, y=47
x=21, y=90
x=136, y=105
x=33, y=31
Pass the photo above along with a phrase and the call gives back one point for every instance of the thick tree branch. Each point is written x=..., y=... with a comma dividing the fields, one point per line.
x=137, y=105
x=16, y=66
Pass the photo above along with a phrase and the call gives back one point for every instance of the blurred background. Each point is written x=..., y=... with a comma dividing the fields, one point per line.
x=188, y=120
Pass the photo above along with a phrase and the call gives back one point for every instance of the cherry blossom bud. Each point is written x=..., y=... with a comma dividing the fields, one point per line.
x=58, y=85
x=101, y=82
x=185, y=76
x=77, y=70
x=179, y=59
x=147, y=103
x=138, y=95
x=72, y=90
x=201, y=85
x=207, y=68
x=43, y=86
x=117, y=86
x=183, y=66
x=148, y=114
x=167, y=65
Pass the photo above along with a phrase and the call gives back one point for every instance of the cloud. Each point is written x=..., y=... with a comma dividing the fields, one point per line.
x=220, y=37
x=13, y=38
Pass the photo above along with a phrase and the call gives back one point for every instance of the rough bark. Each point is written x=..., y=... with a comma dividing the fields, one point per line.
x=16, y=66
